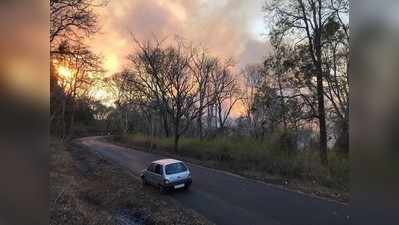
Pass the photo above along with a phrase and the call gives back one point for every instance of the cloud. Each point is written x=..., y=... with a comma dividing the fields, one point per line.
x=254, y=52
x=225, y=27
x=24, y=52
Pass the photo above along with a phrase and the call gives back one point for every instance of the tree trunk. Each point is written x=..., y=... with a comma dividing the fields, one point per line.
x=220, y=116
x=165, y=125
x=342, y=142
x=315, y=51
x=282, y=103
x=72, y=122
x=320, y=100
x=152, y=133
x=199, y=122
x=209, y=117
x=200, y=127
x=322, y=122
x=177, y=132
x=176, y=143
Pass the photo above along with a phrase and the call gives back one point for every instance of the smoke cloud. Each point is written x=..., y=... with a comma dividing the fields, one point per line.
x=227, y=28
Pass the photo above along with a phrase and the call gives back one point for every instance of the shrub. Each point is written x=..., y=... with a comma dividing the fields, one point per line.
x=248, y=154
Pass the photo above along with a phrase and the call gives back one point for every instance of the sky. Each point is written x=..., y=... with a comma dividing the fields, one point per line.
x=24, y=62
x=227, y=28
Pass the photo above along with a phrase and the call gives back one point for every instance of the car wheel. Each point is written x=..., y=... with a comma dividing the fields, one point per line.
x=187, y=186
x=144, y=180
x=162, y=190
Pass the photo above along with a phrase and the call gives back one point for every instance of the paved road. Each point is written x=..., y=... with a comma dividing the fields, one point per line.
x=227, y=199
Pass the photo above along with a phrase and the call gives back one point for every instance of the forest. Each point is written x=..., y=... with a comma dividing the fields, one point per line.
x=287, y=116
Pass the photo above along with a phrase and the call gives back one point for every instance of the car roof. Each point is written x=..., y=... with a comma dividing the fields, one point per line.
x=166, y=161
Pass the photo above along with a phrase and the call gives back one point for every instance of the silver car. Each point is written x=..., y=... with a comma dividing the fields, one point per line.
x=167, y=174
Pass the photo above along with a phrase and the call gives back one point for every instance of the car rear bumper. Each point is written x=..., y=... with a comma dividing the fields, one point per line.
x=187, y=181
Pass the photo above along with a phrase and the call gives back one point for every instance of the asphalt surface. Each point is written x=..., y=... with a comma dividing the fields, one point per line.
x=228, y=199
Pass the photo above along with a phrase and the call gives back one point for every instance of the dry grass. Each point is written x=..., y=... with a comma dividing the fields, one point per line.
x=86, y=189
x=258, y=160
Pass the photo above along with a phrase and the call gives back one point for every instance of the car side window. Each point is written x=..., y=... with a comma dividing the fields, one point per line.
x=151, y=168
x=158, y=169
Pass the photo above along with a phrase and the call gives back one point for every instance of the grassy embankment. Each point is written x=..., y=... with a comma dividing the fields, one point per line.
x=86, y=189
x=260, y=160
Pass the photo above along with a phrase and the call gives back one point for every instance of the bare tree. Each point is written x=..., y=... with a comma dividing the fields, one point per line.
x=252, y=80
x=181, y=91
x=306, y=20
x=82, y=67
x=72, y=20
x=225, y=92
x=179, y=83
x=202, y=67
x=149, y=67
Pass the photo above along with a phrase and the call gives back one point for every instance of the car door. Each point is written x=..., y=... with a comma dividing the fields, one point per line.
x=150, y=173
x=158, y=174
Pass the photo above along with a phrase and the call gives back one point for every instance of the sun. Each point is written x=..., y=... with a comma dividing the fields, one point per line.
x=65, y=72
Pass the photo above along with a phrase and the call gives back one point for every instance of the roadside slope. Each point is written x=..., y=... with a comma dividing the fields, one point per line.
x=86, y=189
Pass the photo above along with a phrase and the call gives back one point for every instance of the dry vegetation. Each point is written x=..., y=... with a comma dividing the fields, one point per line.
x=86, y=189
x=248, y=157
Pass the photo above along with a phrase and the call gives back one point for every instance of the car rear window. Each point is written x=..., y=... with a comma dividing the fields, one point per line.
x=175, y=168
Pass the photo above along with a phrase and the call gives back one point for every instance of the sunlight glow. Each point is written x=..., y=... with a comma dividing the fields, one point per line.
x=65, y=72
x=111, y=63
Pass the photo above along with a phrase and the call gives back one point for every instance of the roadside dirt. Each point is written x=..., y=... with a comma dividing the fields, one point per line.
x=86, y=189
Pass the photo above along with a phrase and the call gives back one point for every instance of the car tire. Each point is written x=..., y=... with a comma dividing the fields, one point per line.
x=162, y=190
x=144, y=181
x=187, y=186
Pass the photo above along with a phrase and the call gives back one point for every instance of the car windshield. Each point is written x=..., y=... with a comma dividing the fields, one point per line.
x=175, y=168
